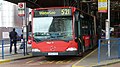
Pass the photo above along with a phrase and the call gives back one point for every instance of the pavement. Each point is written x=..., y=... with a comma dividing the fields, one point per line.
x=91, y=60
x=11, y=57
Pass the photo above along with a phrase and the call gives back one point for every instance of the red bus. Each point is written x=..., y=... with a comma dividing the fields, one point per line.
x=60, y=31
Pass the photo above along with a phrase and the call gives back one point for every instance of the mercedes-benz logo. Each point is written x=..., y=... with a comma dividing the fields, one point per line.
x=52, y=48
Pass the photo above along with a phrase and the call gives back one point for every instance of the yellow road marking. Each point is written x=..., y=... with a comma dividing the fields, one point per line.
x=4, y=61
x=41, y=62
x=29, y=61
x=68, y=61
x=50, y=62
x=63, y=62
x=59, y=62
x=74, y=65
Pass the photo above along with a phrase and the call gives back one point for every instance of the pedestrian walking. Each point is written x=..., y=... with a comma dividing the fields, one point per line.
x=13, y=40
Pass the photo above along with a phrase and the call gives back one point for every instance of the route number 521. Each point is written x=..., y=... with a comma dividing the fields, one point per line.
x=65, y=12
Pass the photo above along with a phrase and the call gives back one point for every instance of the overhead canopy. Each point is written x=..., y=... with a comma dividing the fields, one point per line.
x=42, y=3
x=29, y=4
x=51, y=3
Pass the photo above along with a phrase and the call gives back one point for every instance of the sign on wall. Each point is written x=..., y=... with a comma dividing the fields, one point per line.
x=21, y=9
x=102, y=6
x=5, y=35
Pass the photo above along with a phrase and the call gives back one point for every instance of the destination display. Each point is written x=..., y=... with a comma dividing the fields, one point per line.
x=53, y=12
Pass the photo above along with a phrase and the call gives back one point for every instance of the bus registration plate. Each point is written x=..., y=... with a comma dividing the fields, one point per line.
x=53, y=53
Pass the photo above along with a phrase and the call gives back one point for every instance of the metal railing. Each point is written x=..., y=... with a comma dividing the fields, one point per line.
x=108, y=51
x=5, y=48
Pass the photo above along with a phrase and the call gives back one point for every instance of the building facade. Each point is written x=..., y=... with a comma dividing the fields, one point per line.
x=9, y=18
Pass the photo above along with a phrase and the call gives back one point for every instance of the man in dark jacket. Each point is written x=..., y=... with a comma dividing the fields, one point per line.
x=13, y=40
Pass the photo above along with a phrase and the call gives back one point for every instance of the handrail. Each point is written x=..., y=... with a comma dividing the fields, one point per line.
x=99, y=46
x=2, y=49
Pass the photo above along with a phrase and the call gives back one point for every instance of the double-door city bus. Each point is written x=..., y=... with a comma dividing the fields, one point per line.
x=60, y=31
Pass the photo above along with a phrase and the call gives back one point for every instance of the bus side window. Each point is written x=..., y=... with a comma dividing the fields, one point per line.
x=85, y=28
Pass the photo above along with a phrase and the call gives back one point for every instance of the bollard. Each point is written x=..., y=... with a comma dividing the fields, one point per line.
x=24, y=46
x=99, y=50
x=119, y=49
x=2, y=49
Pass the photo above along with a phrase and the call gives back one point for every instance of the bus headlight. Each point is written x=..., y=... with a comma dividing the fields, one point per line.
x=72, y=49
x=35, y=50
x=29, y=41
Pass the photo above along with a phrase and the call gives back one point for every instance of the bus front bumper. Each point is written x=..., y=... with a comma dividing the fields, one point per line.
x=67, y=53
